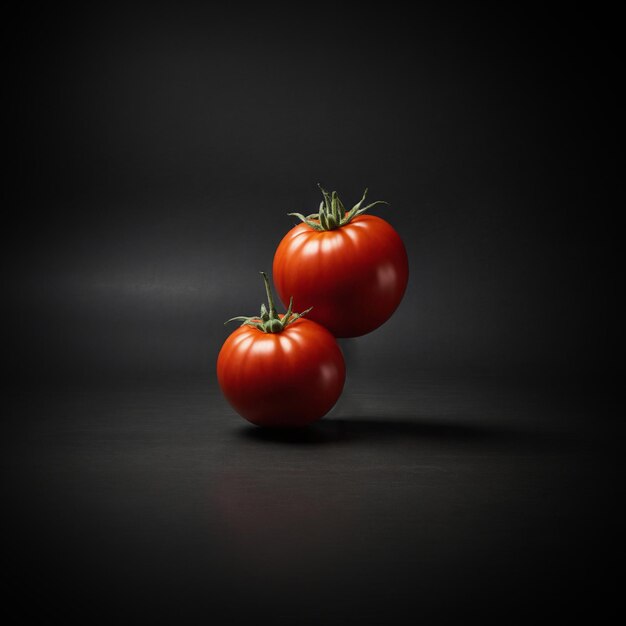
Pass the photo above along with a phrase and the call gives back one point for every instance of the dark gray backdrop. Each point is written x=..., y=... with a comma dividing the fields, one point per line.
x=162, y=149
x=159, y=150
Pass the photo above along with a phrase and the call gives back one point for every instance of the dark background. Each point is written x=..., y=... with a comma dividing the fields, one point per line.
x=469, y=467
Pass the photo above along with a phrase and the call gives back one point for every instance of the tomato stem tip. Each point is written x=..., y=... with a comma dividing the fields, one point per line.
x=332, y=213
x=269, y=321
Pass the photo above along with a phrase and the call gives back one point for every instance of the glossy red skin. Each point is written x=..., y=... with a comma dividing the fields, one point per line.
x=354, y=277
x=291, y=378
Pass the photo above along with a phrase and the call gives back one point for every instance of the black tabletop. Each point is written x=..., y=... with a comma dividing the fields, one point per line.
x=421, y=497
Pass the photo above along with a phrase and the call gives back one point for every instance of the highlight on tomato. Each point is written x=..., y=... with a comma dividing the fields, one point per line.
x=350, y=266
x=280, y=370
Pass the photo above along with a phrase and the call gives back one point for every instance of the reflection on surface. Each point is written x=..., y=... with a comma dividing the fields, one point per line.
x=164, y=499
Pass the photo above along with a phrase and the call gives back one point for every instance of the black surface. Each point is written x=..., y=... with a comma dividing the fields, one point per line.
x=471, y=466
x=434, y=499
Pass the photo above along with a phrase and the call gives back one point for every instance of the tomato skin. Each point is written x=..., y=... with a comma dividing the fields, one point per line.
x=354, y=277
x=290, y=378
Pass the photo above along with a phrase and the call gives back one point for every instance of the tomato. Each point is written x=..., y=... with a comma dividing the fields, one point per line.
x=350, y=267
x=281, y=370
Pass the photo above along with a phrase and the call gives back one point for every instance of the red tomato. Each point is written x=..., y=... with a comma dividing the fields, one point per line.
x=289, y=376
x=354, y=274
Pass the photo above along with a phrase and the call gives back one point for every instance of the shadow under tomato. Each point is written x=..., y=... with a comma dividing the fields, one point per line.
x=342, y=430
x=427, y=429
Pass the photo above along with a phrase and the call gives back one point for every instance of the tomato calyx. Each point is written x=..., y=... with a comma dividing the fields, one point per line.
x=332, y=214
x=269, y=321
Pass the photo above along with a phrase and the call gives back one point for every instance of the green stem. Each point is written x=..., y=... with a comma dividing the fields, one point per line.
x=270, y=297
x=332, y=214
x=270, y=322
